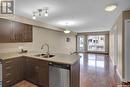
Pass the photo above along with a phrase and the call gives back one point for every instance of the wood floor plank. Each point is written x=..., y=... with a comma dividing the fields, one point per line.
x=24, y=84
x=97, y=71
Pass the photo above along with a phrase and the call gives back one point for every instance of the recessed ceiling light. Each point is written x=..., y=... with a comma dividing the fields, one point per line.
x=111, y=7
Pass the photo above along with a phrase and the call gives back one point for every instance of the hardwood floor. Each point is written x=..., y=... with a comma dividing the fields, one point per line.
x=24, y=84
x=97, y=71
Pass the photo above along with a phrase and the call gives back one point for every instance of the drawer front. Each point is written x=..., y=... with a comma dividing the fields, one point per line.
x=8, y=83
x=12, y=71
x=41, y=63
x=9, y=62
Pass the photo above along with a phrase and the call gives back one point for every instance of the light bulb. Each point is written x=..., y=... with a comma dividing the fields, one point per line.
x=111, y=7
x=34, y=17
x=67, y=31
x=46, y=13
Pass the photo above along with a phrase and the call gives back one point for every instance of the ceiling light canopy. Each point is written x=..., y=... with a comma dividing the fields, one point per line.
x=66, y=23
x=111, y=7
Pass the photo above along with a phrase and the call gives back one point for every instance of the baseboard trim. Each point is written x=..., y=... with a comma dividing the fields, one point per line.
x=119, y=75
x=117, y=71
x=112, y=62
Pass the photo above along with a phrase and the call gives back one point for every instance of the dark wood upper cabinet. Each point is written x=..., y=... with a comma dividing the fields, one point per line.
x=12, y=31
x=27, y=33
x=5, y=30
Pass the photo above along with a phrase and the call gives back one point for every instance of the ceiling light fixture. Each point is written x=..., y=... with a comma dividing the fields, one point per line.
x=46, y=12
x=34, y=16
x=39, y=12
x=111, y=7
x=67, y=31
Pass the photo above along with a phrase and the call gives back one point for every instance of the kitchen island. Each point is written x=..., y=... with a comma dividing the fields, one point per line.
x=35, y=69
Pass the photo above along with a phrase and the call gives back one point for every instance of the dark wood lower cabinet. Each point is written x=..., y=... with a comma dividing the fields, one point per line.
x=35, y=71
x=75, y=75
x=32, y=70
x=13, y=71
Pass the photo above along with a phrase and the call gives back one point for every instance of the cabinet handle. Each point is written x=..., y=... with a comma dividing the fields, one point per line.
x=8, y=67
x=8, y=81
x=8, y=62
x=8, y=74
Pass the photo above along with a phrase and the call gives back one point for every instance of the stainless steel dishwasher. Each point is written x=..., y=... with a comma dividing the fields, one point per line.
x=59, y=75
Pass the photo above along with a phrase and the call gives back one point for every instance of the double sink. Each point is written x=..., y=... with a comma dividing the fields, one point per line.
x=44, y=55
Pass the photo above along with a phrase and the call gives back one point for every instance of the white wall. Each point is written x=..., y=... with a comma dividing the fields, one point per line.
x=56, y=40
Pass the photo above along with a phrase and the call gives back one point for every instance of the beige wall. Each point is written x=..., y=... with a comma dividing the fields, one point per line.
x=56, y=40
x=119, y=29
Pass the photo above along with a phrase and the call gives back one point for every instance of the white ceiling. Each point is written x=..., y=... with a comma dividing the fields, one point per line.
x=84, y=15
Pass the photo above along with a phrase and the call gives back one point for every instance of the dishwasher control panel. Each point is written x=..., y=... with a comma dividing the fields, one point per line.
x=59, y=65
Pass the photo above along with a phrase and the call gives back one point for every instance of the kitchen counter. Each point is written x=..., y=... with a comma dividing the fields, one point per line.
x=59, y=58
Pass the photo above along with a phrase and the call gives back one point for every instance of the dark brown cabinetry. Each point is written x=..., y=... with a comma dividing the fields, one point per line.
x=32, y=70
x=13, y=71
x=37, y=72
x=5, y=30
x=11, y=31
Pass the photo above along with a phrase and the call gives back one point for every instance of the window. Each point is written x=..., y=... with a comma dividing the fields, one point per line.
x=96, y=43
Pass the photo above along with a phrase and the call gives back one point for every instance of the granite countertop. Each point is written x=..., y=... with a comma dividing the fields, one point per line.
x=59, y=58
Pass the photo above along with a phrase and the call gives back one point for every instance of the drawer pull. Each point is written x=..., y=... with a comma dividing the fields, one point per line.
x=8, y=67
x=8, y=81
x=8, y=62
x=8, y=74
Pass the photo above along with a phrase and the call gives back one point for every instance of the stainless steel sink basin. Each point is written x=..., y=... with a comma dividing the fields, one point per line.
x=44, y=55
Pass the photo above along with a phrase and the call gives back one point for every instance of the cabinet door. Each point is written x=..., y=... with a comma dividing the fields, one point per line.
x=27, y=34
x=43, y=74
x=11, y=31
x=20, y=69
x=37, y=72
x=31, y=71
x=18, y=29
x=5, y=30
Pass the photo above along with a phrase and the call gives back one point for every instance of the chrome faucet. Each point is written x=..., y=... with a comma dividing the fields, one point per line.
x=48, y=52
